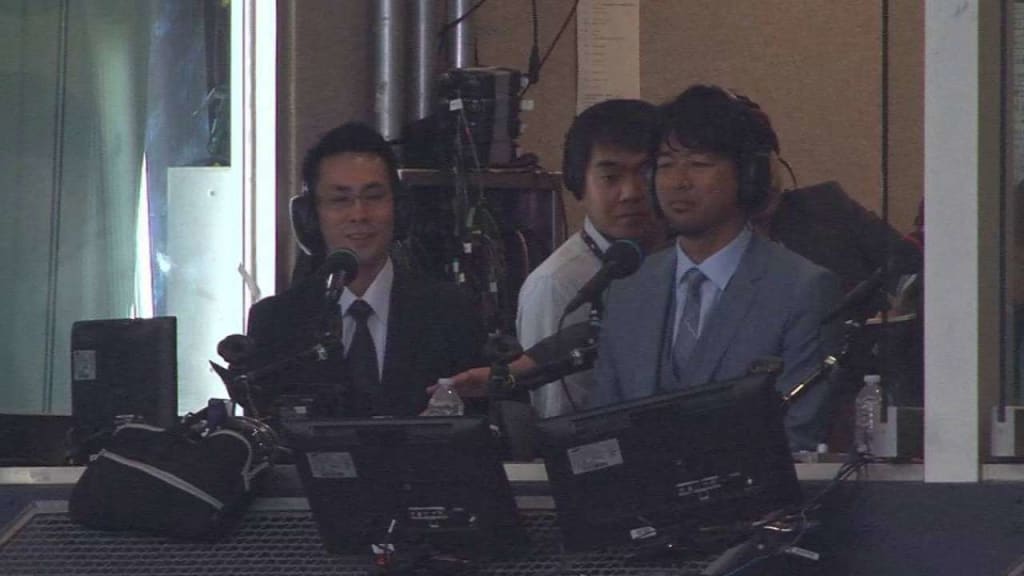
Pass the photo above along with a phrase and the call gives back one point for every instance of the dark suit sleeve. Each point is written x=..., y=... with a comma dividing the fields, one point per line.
x=806, y=343
x=465, y=331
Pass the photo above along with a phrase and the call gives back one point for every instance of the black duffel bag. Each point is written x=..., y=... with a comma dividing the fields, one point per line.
x=176, y=482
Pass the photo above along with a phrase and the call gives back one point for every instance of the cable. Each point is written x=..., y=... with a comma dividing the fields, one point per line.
x=789, y=168
x=561, y=379
x=551, y=47
x=447, y=27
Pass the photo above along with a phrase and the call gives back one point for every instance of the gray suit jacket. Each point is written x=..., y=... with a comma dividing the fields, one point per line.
x=773, y=306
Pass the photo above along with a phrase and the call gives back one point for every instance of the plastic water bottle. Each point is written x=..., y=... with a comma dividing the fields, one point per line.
x=445, y=401
x=868, y=408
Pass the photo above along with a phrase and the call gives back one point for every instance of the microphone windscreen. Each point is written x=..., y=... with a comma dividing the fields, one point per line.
x=235, y=348
x=623, y=257
x=343, y=260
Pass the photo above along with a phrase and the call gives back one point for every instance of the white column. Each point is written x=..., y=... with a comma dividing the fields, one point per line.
x=961, y=164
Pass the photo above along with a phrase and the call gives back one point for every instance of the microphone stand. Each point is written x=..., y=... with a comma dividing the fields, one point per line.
x=828, y=365
x=328, y=340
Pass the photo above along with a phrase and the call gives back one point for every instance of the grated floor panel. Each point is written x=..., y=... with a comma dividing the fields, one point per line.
x=45, y=542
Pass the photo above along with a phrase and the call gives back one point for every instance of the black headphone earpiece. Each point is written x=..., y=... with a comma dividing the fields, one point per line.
x=305, y=225
x=652, y=191
x=754, y=163
x=754, y=170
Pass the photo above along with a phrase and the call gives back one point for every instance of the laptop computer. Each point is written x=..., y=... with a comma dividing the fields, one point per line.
x=122, y=367
x=430, y=481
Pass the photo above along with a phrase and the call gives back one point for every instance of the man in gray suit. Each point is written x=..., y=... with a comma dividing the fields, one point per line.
x=721, y=297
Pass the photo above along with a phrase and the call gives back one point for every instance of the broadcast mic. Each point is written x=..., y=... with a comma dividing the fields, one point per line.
x=340, y=268
x=577, y=360
x=621, y=259
x=860, y=294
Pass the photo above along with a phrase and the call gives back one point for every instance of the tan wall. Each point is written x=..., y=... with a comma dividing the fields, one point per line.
x=814, y=66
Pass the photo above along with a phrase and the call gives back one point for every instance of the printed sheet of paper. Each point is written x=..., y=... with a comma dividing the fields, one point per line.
x=608, y=51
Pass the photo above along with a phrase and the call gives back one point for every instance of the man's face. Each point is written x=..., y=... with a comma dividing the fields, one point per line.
x=615, y=193
x=355, y=206
x=698, y=192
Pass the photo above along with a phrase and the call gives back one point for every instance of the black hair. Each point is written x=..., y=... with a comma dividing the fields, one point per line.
x=623, y=123
x=712, y=119
x=351, y=137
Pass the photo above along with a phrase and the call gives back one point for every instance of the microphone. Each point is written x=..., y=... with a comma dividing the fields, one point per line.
x=340, y=268
x=860, y=294
x=577, y=360
x=621, y=259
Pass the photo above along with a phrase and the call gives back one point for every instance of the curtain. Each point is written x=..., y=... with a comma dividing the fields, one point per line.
x=74, y=116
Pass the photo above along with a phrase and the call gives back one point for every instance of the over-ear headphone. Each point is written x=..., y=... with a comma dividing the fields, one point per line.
x=754, y=162
x=305, y=225
x=753, y=157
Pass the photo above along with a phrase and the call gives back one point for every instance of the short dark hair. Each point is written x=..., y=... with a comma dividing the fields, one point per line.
x=623, y=123
x=712, y=119
x=351, y=137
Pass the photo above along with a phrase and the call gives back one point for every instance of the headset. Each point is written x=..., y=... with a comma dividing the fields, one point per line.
x=753, y=158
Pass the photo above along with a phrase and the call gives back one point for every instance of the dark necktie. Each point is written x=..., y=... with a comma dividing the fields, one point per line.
x=363, y=375
x=688, y=330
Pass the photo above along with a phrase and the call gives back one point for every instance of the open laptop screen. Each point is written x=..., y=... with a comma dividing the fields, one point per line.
x=437, y=480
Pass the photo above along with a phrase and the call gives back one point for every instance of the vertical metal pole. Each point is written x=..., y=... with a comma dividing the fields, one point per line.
x=462, y=45
x=389, y=23
x=425, y=58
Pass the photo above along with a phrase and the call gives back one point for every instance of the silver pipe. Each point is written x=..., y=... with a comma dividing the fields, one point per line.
x=462, y=38
x=389, y=60
x=425, y=15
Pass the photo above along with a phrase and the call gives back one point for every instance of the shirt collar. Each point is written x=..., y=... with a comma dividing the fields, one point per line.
x=377, y=295
x=720, y=266
x=599, y=239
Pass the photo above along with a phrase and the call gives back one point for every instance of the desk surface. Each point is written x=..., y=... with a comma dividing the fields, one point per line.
x=533, y=472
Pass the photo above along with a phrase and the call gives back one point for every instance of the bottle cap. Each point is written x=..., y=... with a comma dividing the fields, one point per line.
x=872, y=379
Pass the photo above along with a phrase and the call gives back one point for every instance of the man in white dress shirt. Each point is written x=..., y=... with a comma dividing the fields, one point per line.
x=605, y=158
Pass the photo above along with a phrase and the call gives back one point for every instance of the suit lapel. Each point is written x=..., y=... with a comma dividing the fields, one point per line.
x=728, y=316
x=653, y=307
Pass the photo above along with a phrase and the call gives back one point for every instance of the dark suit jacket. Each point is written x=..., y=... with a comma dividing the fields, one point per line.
x=433, y=332
x=773, y=306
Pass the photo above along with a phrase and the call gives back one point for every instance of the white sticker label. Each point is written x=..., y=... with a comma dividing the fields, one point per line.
x=83, y=365
x=455, y=104
x=595, y=456
x=331, y=465
x=643, y=533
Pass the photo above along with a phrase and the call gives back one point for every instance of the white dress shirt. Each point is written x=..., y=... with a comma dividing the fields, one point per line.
x=542, y=299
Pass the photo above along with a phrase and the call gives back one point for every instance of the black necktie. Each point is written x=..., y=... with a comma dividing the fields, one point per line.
x=363, y=374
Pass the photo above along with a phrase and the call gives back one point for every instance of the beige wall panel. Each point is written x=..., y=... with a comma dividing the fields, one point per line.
x=814, y=66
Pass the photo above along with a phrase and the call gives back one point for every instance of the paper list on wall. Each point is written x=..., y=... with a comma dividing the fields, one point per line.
x=608, y=51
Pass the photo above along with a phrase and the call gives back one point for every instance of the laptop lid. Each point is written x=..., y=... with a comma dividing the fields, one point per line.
x=123, y=366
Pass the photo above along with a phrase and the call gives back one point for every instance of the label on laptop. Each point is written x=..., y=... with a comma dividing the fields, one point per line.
x=595, y=456
x=331, y=465
x=83, y=365
x=643, y=533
